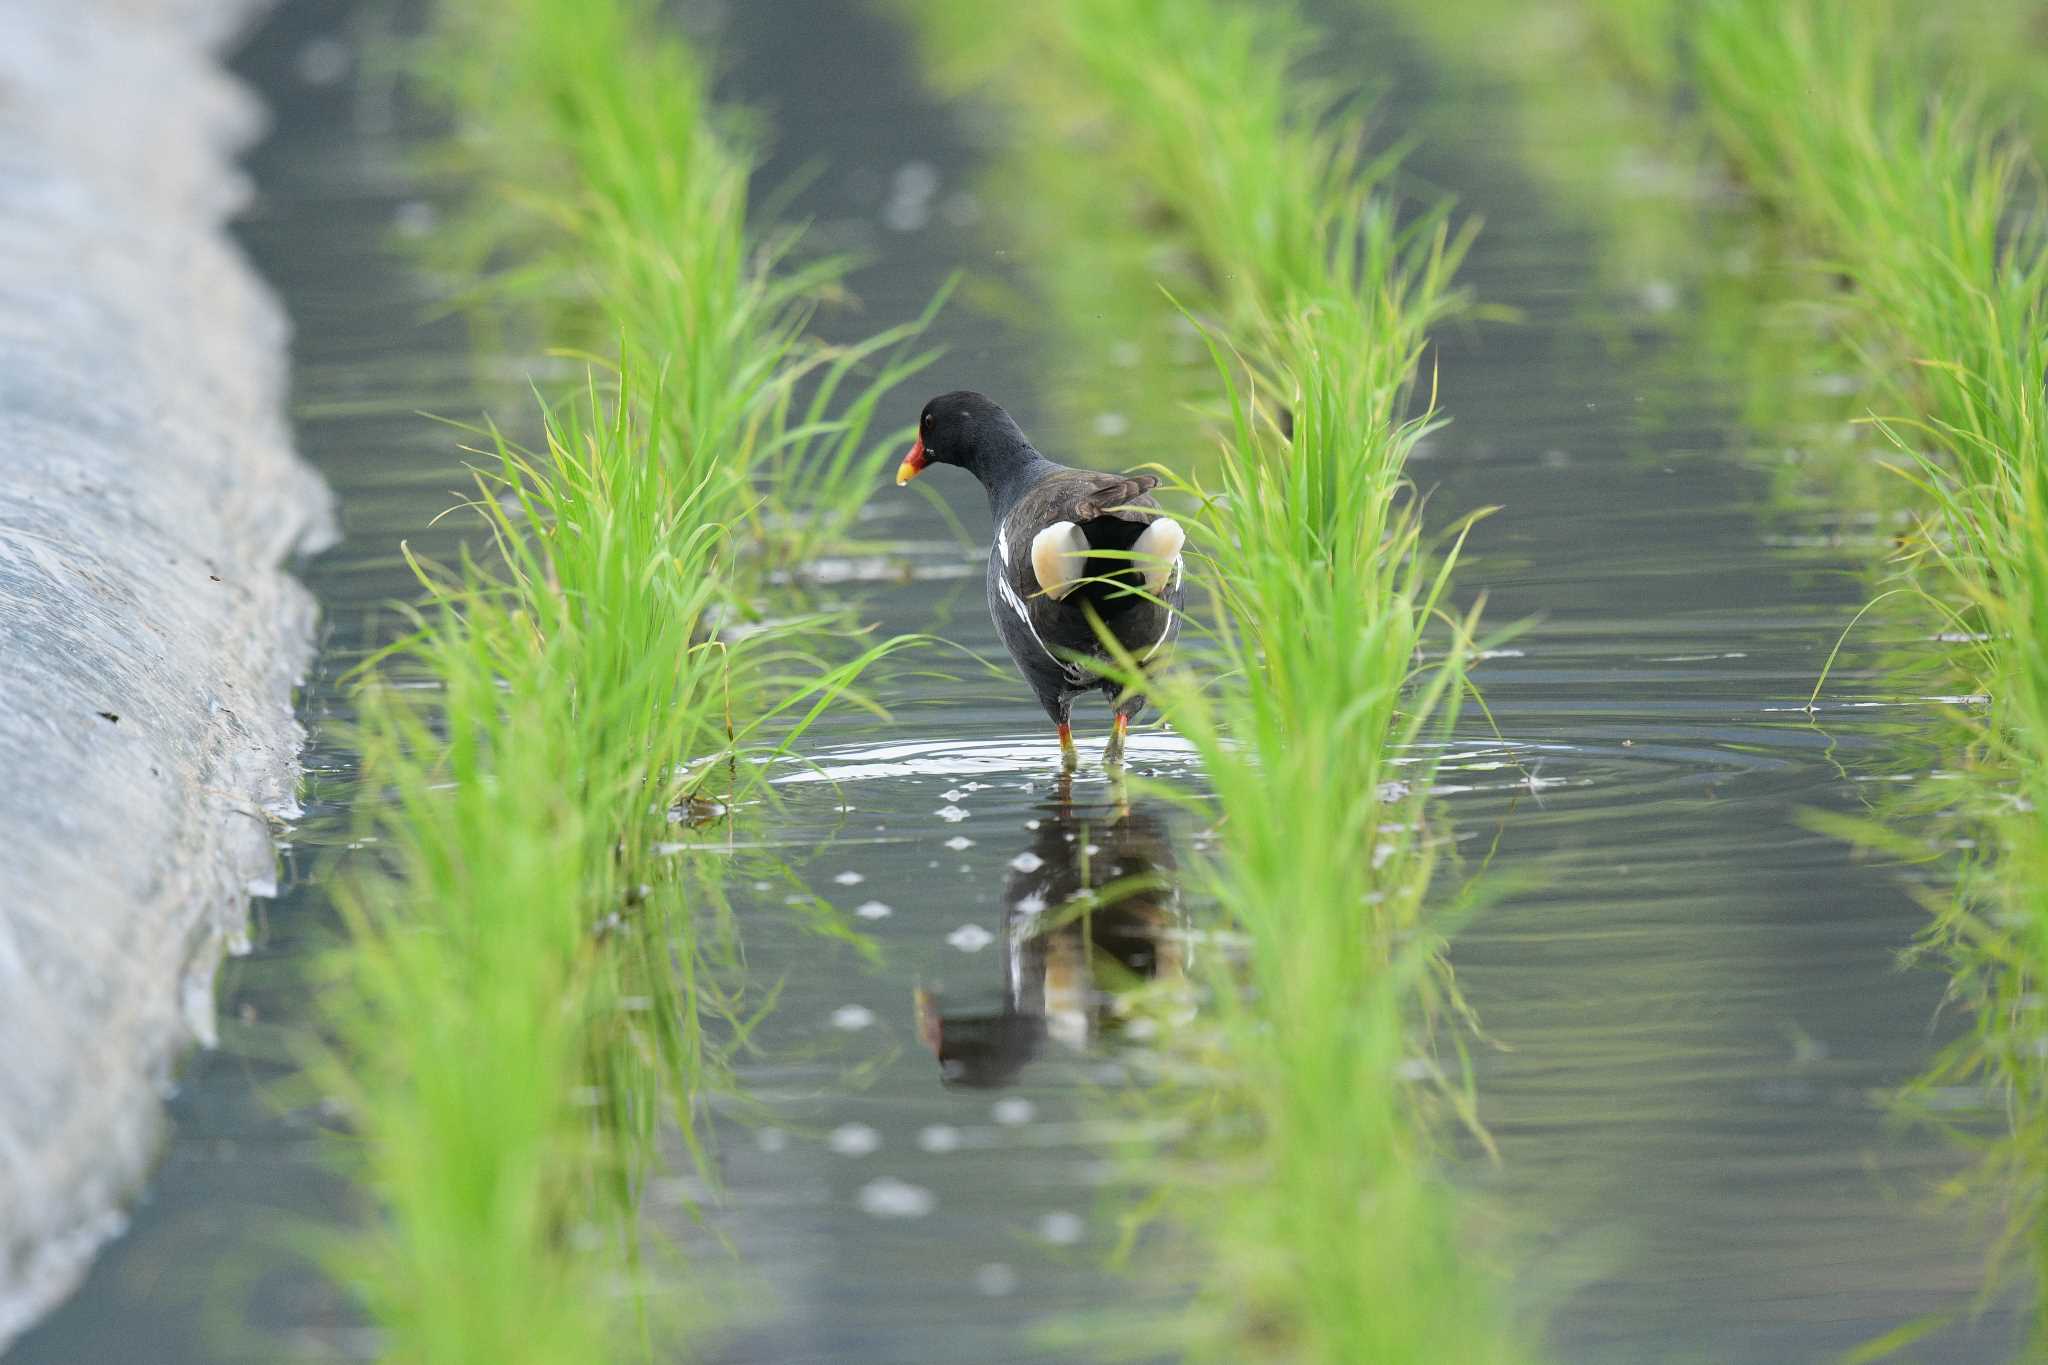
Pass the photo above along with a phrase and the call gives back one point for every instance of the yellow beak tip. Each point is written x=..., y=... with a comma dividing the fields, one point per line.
x=905, y=472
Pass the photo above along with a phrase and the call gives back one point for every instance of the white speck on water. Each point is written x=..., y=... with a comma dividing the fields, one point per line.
x=1027, y=861
x=951, y=814
x=764, y=886
x=939, y=1138
x=962, y=208
x=909, y=206
x=1837, y=385
x=1660, y=296
x=323, y=61
x=889, y=1197
x=1031, y=824
x=1111, y=424
x=1092, y=849
x=919, y=179
x=415, y=218
x=1013, y=1111
x=853, y=1139
x=995, y=1279
x=1061, y=1228
x=852, y=1018
x=873, y=910
x=771, y=1140
x=906, y=215
x=954, y=795
x=959, y=842
x=1033, y=904
x=970, y=938
x=849, y=879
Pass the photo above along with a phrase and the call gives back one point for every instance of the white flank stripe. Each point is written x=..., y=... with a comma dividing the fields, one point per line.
x=1016, y=604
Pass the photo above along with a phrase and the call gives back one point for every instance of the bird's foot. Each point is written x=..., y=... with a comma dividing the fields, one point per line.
x=1069, y=756
x=1113, y=752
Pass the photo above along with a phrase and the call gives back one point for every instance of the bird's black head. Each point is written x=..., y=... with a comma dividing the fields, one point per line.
x=966, y=429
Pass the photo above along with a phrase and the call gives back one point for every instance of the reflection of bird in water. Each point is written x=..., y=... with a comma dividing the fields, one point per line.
x=1092, y=897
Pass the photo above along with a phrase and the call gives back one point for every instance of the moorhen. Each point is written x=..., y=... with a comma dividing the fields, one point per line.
x=1070, y=545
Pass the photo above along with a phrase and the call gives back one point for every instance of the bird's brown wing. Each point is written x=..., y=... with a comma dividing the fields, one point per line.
x=1083, y=495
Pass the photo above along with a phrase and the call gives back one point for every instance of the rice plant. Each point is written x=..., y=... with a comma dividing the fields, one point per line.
x=541, y=970
x=1309, y=1193
x=1909, y=192
x=609, y=216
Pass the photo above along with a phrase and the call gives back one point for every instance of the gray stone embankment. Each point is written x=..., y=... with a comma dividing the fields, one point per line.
x=149, y=636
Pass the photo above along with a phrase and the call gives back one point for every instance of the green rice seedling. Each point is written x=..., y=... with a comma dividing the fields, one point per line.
x=541, y=969
x=1308, y=1190
x=1328, y=1229
x=616, y=222
x=573, y=697
x=1591, y=96
x=1908, y=193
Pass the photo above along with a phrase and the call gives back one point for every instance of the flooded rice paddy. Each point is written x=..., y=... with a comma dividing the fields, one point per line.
x=1693, y=1001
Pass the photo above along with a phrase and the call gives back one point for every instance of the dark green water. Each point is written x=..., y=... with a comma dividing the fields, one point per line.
x=1697, y=1012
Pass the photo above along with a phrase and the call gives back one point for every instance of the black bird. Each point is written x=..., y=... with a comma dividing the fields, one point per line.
x=1070, y=544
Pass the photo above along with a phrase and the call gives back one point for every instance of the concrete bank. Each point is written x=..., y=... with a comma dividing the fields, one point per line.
x=149, y=637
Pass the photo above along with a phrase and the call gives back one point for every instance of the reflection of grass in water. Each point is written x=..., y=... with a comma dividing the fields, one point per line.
x=1311, y=1195
x=533, y=978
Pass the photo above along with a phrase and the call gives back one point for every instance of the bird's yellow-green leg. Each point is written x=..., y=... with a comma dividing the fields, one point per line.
x=1114, y=751
x=1068, y=755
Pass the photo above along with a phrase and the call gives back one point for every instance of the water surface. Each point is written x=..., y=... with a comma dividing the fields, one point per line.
x=1696, y=1012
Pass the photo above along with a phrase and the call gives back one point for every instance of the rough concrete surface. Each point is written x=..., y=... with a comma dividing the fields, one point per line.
x=149, y=638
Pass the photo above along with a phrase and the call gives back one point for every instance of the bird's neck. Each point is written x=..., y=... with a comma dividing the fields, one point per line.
x=1008, y=481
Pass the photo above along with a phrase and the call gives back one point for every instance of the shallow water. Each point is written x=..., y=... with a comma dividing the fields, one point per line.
x=1695, y=1010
